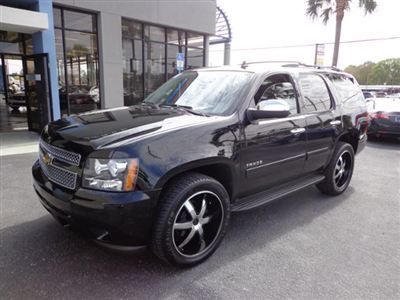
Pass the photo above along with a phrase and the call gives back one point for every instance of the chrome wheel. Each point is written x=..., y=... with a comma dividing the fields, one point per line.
x=343, y=169
x=197, y=223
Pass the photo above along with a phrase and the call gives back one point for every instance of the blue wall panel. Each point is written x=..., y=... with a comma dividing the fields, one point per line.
x=44, y=42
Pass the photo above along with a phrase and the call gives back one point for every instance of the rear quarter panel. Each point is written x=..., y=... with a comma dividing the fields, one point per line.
x=354, y=111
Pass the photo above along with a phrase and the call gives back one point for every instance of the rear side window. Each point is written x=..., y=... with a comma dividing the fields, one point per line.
x=315, y=92
x=344, y=86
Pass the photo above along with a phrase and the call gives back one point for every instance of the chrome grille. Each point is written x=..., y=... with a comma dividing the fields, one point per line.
x=61, y=154
x=58, y=175
x=54, y=172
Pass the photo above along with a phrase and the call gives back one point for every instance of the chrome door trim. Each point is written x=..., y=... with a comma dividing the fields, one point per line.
x=274, y=121
x=317, y=151
x=277, y=162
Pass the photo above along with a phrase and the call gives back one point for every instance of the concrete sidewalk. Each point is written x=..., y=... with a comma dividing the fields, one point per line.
x=18, y=142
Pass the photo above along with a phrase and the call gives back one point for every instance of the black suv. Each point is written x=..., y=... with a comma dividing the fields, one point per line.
x=169, y=172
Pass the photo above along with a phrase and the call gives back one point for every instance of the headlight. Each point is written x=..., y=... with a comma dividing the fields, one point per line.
x=110, y=174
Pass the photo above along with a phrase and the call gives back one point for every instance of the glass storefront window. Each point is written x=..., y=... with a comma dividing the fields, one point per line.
x=195, y=58
x=62, y=89
x=132, y=71
x=28, y=44
x=131, y=30
x=81, y=50
x=77, y=61
x=11, y=42
x=172, y=51
x=175, y=37
x=132, y=54
x=79, y=21
x=161, y=46
x=153, y=33
x=154, y=66
x=57, y=17
x=195, y=40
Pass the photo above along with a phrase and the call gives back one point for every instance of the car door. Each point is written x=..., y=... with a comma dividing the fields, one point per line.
x=274, y=149
x=323, y=120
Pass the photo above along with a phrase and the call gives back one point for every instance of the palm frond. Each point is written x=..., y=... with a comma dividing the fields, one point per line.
x=313, y=8
x=326, y=13
x=368, y=5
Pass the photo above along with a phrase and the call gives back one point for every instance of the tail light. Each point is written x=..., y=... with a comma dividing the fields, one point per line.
x=379, y=115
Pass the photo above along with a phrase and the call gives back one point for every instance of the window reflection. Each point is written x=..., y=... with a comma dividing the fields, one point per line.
x=195, y=40
x=77, y=59
x=12, y=42
x=155, y=50
x=91, y=118
x=155, y=66
x=195, y=58
x=79, y=21
x=315, y=91
x=132, y=53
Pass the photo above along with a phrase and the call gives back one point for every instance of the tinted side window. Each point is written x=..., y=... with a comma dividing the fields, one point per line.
x=278, y=87
x=345, y=87
x=315, y=92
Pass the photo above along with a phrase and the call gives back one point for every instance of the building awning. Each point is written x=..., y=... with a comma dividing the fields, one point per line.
x=22, y=20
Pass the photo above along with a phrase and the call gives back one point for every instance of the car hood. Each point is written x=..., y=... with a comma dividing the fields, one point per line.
x=106, y=128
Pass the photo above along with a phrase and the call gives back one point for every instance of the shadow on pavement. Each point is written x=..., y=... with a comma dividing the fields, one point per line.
x=40, y=258
x=387, y=143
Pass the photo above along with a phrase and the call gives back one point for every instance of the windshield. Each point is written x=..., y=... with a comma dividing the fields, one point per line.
x=208, y=92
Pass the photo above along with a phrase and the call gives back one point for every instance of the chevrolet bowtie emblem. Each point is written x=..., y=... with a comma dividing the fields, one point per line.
x=47, y=158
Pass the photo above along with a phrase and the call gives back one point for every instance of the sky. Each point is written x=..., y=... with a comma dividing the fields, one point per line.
x=271, y=23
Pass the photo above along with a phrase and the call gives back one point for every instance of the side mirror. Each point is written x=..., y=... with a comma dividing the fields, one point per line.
x=273, y=108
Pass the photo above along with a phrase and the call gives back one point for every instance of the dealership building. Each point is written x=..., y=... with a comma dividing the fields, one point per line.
x=69, y=56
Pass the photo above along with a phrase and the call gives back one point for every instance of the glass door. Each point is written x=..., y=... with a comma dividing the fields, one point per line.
x=13, y=112
x=37, y=89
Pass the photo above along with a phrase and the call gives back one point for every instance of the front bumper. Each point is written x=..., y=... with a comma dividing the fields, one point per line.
x=115, y=218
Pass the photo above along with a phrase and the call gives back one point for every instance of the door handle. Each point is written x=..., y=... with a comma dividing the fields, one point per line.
x=336, y=123
x=298, y=130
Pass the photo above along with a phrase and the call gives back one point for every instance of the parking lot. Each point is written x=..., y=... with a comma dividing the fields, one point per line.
x=305, y=246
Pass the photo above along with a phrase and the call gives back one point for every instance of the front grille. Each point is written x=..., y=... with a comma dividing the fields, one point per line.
x=58, y=175
x=61, y=154
x=55, y=173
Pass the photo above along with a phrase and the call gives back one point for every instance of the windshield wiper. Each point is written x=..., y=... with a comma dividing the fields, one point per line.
x=186, y=108
x=153, y=105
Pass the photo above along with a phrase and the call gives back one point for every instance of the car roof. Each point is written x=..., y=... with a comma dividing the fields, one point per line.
x=276, y=67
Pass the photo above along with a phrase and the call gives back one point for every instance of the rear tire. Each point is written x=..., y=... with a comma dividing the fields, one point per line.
x=339, y=171
x=192, y=219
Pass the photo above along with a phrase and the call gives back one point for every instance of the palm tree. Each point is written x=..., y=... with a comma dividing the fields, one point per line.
x=325, y=8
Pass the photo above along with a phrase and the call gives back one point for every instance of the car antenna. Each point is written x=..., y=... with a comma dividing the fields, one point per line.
x=244, y=65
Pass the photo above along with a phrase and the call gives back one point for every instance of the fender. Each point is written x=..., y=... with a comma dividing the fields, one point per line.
x=230, y=165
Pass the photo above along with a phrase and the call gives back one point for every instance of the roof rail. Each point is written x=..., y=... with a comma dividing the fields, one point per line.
x=245, y=64
x=289, y=64
x=319, y=67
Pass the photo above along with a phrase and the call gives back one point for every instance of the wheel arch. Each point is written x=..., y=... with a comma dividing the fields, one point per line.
x=221, y=170
x=350, y=138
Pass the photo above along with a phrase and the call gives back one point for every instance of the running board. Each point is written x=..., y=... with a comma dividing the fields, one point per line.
x=272, y=194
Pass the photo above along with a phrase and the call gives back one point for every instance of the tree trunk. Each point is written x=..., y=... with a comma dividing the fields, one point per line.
x=339, y=20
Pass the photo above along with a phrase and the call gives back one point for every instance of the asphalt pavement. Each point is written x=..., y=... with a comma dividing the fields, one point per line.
x=304, y=246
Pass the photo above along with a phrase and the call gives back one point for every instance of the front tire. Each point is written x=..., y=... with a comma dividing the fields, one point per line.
x=192, y=219
x=339, y=171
